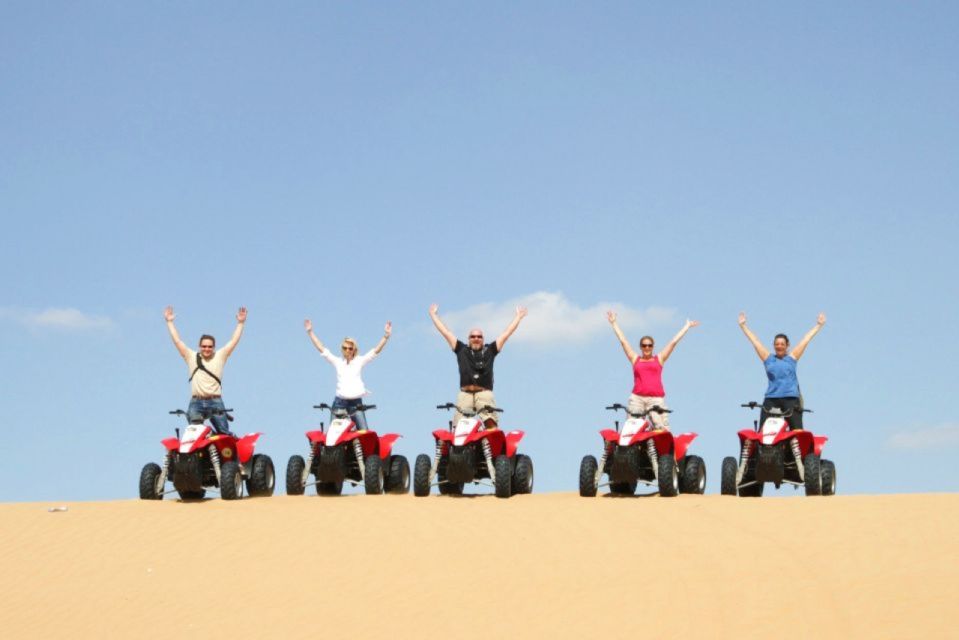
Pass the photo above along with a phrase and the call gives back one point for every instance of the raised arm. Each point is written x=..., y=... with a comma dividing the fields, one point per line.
x=308, y=325
x=174, y=334
x=668, y=349
x=446, y=333
x=611, y=316
x=520, y=314
x=235, y=338
x=801, y=347
x=387, y=332
x=761, y=351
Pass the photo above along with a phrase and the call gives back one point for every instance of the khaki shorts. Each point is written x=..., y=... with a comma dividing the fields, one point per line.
x=473, y=400
x=639, y=404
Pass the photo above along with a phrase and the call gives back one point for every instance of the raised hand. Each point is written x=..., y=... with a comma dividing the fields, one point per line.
x=691, y=323
x=742, y=318
x=434, y=308
x=611, y=316
x=169, y=315
x=821, y=320
x=241, y=315
x=388, y=329
x=308, y=325
x=521, y=312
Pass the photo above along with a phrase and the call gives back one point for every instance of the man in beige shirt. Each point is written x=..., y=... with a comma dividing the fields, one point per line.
x=206, y=371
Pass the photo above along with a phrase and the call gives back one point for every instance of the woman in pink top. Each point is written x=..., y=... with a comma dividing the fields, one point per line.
x=648, y=371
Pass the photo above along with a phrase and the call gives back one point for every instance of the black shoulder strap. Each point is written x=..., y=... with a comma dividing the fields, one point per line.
x=200, y=367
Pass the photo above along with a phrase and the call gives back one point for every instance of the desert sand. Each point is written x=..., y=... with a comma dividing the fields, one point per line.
x=547, y=565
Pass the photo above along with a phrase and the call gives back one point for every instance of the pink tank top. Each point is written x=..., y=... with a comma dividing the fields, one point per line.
x=648, y=377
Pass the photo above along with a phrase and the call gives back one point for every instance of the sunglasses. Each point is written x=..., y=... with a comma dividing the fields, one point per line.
x=347, y=348
x=648, y=345
x=476, y=337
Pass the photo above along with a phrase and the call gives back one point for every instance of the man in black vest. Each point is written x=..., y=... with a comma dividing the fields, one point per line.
x=476, y=365
x=206, y=371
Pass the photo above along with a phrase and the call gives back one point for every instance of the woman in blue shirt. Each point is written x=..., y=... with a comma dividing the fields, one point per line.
x=783, y=390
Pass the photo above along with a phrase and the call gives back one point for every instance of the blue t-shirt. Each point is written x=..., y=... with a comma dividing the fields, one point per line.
x=782, y=377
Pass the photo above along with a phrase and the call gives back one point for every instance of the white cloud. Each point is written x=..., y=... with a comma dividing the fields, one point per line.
x=67, y=319
x=553, y=317
x=923, y=438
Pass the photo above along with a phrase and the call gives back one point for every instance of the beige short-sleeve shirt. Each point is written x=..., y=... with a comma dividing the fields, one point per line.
x=203, y=384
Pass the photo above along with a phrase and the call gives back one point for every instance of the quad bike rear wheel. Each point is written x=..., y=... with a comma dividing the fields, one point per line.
x=812, y=471
x=587, y=476
x=668, y=476
x=828, y=477
x=504, y=476
x=398, y=476
x=150, y=488
x=753, y=490
x=294, y=476
x=231, y=481
x=199, y=494
x=373, y=475
x=523, y=475
x=329, y=488
x=727, y=483
x=262, y=480
x=693, y=478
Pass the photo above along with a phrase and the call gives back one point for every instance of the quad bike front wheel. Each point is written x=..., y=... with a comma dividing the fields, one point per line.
x=150, y=488
x=668, y=476
x=727, y=483
x=294, y=476
x=262, y=481
x=504, y=476
x=812, y=471
x=421, y=475
x=231, y=481
x=373, y=475
x=587, y=477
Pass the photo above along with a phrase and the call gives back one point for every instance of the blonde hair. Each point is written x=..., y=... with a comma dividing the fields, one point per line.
x=351, y=341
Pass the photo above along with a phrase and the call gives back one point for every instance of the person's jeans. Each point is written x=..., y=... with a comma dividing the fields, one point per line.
x=201, y=408
x=350, y=405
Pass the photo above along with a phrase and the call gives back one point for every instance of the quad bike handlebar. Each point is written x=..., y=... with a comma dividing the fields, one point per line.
x=617, y=406
x=362, y=407
x=754, y=404
x=450, y=405
x=205, y=414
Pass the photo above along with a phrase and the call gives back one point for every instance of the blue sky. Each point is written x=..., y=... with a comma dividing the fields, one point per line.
x=355, y=162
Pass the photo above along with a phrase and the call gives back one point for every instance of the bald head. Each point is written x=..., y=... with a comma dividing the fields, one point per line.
x=476, y=339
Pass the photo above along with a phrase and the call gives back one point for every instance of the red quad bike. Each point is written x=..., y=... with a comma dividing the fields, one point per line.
x=345, y=454
x=473, y=452
x=641, y=453
x=775, y=453
x=202, y=459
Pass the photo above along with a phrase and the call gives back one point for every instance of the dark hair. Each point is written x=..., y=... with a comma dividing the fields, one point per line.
x=207, y=336
x=783, y=336
x=650, y=338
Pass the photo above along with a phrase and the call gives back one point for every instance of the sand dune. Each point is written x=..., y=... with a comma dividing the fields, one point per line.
x=551, y=565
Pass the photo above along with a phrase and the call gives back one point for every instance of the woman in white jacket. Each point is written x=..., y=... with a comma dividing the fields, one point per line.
x=349, y=382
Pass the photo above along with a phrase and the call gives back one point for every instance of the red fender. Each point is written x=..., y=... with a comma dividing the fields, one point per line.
x=682, y=442
x=245, y=445
x=386, y=444
x=171, y=444
x=805, y=439
x=368, y=440
x=750, y=434
x=444, y=435
x=610, y=435
x=495, y=437
x=316, y=437
x=818, y=443
x=512, y=441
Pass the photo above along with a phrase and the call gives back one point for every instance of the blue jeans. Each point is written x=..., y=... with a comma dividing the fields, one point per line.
x=202, y=408
x=359, y=417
